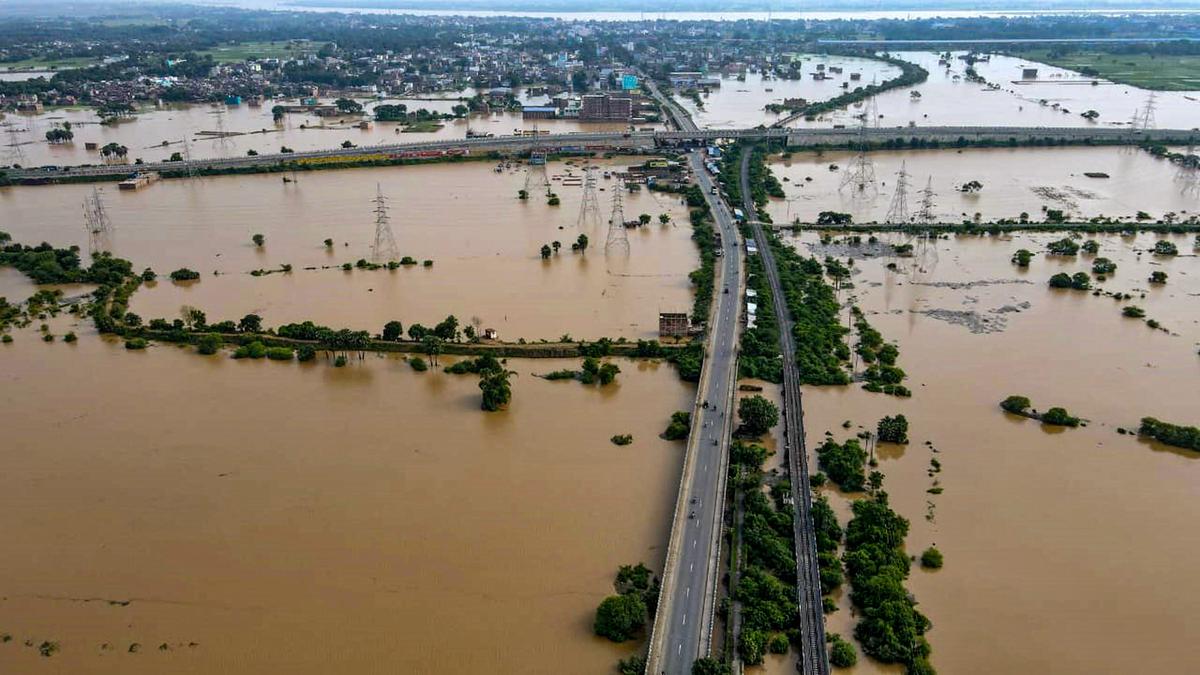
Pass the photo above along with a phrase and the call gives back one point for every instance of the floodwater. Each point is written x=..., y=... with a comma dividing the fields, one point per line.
x=155, y=135
x=466, y=218
x=947, y=99
x=1063, y=548
x=264, y=517
x=740, y=104
x=1015, y=180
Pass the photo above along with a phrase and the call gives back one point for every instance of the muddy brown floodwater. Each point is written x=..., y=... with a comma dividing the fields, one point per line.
x=305, y=519
x=1066, y=550
x=154, y=134
x=465, y=217
x=1015, y=180
x=1057, y=98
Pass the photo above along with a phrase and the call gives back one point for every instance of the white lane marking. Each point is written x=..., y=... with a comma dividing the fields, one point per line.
x=685, y=619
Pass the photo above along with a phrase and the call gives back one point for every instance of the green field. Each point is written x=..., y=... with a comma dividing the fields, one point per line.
x=261, y=50
x=49, y=64
x=1166, y=73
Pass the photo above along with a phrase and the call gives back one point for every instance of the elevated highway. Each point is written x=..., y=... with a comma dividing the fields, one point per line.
x=686, y=135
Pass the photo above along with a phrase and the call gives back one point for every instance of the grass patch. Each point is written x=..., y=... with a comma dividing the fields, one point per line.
x=1162, y=72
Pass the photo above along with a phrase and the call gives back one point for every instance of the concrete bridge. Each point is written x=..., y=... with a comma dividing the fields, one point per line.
x=639, y=140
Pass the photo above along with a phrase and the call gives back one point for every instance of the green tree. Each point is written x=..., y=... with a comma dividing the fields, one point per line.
x=251, y=323
x=448, y=329
x=348, y=106
x=841, y=653
x=664, y=218
x=1016, y=404
x=931, y=558
x=710, y=666
x=546, y=251
x=497, y=391
x=644, y=218
x=208, y=344
x=1022, y=257
x=581, y=243
x=758, y=415
x=392, y=331
x=258, y=240
x=893, y=429
x=619, y=617
x=432, y=344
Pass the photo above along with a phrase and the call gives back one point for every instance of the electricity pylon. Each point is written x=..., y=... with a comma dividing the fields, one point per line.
x=925, y=214
x=861, y=173
x=96, y=222
x=617, y=241
x=15, y=154
x=589, y=208
x=384, y=249
x=535, y=173
x=223, y=144
x=898, y=212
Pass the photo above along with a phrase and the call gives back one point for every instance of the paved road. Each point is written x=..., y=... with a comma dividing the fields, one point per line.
x=683, y=627
x=687, y=133
x=813, y=658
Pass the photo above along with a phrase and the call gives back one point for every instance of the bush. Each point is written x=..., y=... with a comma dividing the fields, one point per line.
x=1022, y=257
x=254, y=350
x=777, y=644
x=208, y=344
x=1059, y=417
x=280, y=353
x=1133, y=312
x=931, y=558
x=135, y=343
x=841, y=653
x=1065, y=246
x=1015, y=404
x=1171, y=434
x=680, y=426
x=306, y=353
x=1164, y=247
x=893, y=429
x=1103, y=266
x=70, y=337
x=844, y=464
x=1157, y=277
x=418, y=364
x=622, y=439
x=184, y=274
x=619, y=617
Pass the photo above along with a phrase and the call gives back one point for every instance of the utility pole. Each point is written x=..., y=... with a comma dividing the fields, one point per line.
x=223, y=144
x=384, y=249
x=15, y=154
x=618, y=240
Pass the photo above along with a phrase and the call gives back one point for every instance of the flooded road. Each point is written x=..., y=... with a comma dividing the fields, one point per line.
x=264, y=517
x=465, y=217
x=1015, y=180
x=1060, y=544
x=947, y=98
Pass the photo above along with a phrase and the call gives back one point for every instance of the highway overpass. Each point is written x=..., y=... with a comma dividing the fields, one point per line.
x=614, y=141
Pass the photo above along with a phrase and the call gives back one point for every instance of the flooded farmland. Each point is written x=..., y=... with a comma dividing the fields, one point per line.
x=741, y=99
x=466, y=218
x=1056, y=98
x=198, y=508
x=1015, y=181
x=1059, y=543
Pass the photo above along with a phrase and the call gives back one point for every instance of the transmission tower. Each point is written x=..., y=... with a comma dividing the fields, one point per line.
x=589, y=209
x=1146, y=117
x=15, y=154
x=1188, y=172
x=926, y=215
x=96, y=222
x=223, y=144
x=384, y=249
x=617, y=241
x=861, y=173
x=187, y=159
x=898, y=212
x=535, y=173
